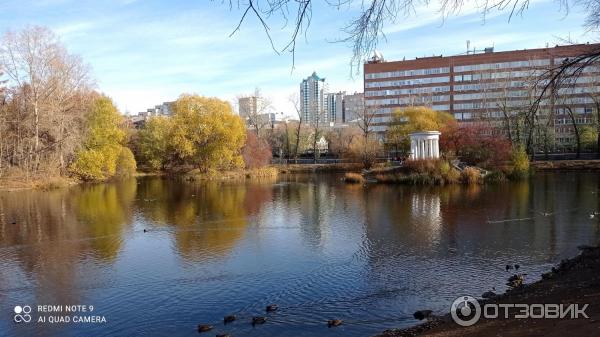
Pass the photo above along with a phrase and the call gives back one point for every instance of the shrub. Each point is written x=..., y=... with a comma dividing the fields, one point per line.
x=470, y=175
x=495, y=177
x=103, y=149
x=126, y=165
x=90, y=165
x=519, y=163
x=444, y=168
x=354, y=178
x=263, y=172
x=153, y=143
x=421, y=166
x=452, y=177
x=256, y=152
x=476, y=145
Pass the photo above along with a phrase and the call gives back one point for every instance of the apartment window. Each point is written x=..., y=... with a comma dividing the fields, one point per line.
x=502, y=65
x=400, y=83
x=404, y=73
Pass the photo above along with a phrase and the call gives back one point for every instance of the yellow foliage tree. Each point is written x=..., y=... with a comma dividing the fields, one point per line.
x=413, y=119
x=103, y=155
x=153, y=142
x=206, y=133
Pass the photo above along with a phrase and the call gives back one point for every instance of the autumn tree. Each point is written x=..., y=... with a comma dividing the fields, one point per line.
x=589, y=138
x=103, y=154
x=365, y=118
x=3, y=121
x=48, y=93
x=206, y=133
x=294, y=99
x=152, y=143
x=413, y=119
x=256, y=151
x=477, y=143
x=342, y=141
x=594, y=95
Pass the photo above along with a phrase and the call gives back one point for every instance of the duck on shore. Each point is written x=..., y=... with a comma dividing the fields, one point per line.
x=422, y=314
x=490, y=293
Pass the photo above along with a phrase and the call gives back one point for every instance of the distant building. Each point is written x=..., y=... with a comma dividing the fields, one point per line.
x=312, y=99
x=484, y=85
x=353, y=106
x=164, y=109
x=248, y=106
x=138, y=121
x=334, y=107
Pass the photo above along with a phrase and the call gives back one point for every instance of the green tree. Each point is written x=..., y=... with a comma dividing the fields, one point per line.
x=519, y=162
x=413, y=119
x=153, y=142
x=206, y=133
x=103, y=155
x=589, y=137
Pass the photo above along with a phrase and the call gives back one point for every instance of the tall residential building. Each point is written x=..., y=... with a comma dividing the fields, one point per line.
x=312, y=99
x=248, y=106
x=353, y=106
x=480, y=86
x=164, y=109
x=334, y=107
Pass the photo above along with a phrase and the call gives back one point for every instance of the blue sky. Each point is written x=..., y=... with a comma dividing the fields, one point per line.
x=145, y=52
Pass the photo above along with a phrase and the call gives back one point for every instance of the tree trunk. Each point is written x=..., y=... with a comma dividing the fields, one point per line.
x=297, y=142
x=576, y=129
x=37, y=134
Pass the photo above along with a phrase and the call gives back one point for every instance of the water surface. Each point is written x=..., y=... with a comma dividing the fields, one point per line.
x=318, y=248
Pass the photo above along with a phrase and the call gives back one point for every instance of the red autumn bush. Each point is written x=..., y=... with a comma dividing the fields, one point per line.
x=256, y=152
x=477, y=144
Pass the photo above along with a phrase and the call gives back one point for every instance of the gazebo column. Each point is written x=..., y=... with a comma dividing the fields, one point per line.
x=428, y=152
x=429, y=149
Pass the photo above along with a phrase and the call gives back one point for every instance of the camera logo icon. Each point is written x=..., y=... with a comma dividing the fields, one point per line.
x=465, y=311
x=22, y=314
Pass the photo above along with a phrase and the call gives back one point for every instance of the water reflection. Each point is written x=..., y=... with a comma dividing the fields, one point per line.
x=317, y=247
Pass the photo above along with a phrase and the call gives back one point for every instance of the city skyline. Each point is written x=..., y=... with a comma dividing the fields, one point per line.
x=146, y=52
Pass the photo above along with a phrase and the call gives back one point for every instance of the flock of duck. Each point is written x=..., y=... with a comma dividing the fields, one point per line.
x=257, y=320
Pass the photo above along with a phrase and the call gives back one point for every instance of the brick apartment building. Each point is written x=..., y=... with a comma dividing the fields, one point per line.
x=483, y=86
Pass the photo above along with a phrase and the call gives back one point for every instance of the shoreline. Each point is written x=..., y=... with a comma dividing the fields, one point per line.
x=566, y=165
x=9, y=184
x=574, y=281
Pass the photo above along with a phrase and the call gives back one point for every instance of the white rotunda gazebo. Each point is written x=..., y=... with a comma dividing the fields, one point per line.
x=425, y=145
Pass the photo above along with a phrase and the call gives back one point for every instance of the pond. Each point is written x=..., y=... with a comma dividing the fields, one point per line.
x=155, y=256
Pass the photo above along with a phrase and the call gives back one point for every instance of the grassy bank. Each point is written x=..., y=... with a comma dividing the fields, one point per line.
x=574, y=281
x=566, y=165
x=45, y=183
x=425, y=172
x=319, y=168
x=50, y=182
x=438, y=172
x=259, y=173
